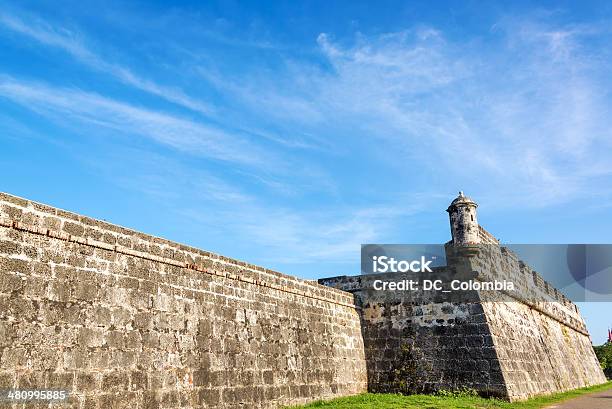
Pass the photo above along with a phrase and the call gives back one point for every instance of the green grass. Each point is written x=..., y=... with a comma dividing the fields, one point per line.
x=392, y=401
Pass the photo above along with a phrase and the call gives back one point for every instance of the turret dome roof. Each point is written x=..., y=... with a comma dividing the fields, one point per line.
x=461, y=199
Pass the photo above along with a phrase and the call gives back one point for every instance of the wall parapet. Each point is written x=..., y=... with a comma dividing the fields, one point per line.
x=493, y=261
x=47, y=221
x=486, y=237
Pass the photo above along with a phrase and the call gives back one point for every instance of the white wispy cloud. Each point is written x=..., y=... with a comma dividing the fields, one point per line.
x=74, y=45
x=276, y=232
x=331, y=234
x=71, y=107
x=526, y=111
x=519, y=116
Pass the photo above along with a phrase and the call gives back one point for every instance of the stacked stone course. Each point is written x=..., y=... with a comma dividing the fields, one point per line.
x=513, y=345
x=423, y=341
x=126, y=320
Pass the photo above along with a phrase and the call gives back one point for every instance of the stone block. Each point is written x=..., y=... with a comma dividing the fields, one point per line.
x=75, y=229
x=35, y=287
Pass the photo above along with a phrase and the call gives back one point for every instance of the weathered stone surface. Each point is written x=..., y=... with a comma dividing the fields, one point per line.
x=123, y=319
x=531, y=342
x=128, y=320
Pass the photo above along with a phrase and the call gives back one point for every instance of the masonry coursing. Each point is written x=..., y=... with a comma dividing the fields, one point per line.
x=514, y=345
x=127, y=320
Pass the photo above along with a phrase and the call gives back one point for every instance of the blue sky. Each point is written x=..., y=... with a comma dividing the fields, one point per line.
x=288, y=134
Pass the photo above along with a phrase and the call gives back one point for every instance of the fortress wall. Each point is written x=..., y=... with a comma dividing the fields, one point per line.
x=485, y=237
x=495, y=262
x=511, y=344
x=123, y=319
x=539, y=355
x=424, y=341
x=541, y=340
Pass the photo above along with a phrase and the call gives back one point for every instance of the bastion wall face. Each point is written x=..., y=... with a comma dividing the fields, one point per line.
x=126, y=320
x=541, y=341
x=514, y=345
x=424, y=341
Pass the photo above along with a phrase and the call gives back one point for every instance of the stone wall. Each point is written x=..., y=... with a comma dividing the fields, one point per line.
x=541, y=340
x=515, y=345
x=424, y=341
x=539, y=355
x=126, y=320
